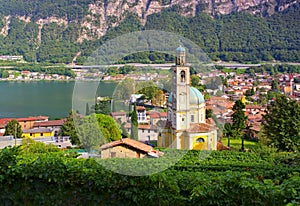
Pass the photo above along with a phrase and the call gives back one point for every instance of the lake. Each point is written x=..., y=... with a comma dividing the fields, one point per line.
x=53, y=98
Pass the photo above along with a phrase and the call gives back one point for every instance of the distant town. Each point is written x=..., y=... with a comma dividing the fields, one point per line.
x=221, y=88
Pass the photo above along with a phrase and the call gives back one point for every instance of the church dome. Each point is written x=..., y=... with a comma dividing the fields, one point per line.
x=195, y=96
x=180, y=49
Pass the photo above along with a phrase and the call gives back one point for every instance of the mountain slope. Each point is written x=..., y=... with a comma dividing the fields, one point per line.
x=44, y=30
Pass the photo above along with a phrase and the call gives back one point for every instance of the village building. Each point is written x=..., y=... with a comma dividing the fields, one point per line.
x=186, y=126
x=38, y=132
x=119, y=117
x=55, y=125
x=25, y=122
x=128, y=148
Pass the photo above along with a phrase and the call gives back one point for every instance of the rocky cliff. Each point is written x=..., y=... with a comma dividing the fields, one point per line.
x=44, y=30
x=110, y=12
x=103, y=14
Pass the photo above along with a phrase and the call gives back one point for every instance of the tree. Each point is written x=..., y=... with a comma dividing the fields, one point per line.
x=159, y=99
x=227, y=132
x=134, y=124
x=108, y=127
x=238, y=118
x=250, y=92
x=201, y=87
x=13, y=128
x=281, y=124
x=89, y=133
x=5, y=74
x=148, y=88
x=208, y=113
x=275, y=86
x=195, y=80
x=68, y=129
x=102, y=107
x=96, y=129
x=87, y=109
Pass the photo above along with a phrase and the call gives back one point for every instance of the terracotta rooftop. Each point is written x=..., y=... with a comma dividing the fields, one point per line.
x=140, y=108
x=201, y=127
x=129, y=142
x=144, y=126
x=248, y=106
x=117, y=114
x=215, y=98
x=49, y=123
x=22, y=119
x=156, y=114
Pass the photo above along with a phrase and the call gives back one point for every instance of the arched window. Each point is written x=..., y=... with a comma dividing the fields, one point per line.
x=182, y=75
x=200, y=140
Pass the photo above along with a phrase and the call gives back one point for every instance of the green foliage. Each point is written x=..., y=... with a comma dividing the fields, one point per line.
x=68, y=129
x=89, y=133
x=102, y=107
x=148, y=88
x=134, y=123
x=227, y=132
x=235, y=37
x=13, y=128
x=4, y=74
x=30, y=146
x=238, y=118
x=87, y=109
x=108, y=127
x=113, y=71
x=195, y=80
x=209, y=178
x=281, y=124
x=208, y=113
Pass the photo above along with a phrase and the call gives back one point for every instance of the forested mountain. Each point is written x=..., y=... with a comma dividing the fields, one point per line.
x=59, y=30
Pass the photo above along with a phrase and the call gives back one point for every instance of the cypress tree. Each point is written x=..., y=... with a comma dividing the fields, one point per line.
x=134, y=123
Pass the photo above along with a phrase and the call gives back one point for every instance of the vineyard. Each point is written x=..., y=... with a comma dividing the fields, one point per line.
x=52, y=177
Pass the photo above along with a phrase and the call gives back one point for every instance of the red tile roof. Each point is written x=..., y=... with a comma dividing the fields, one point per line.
x=144, y=126
x=140, y=108
x=117, y=114
x=163, y=114
x=50, y=123
x=129, y=142
x=23, y=119
x=156, y=114
x=201, y=127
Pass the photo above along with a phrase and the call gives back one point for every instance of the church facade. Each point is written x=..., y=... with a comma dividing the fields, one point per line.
x=186, y=126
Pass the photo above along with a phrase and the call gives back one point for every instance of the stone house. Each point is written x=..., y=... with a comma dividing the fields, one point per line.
x=128, y=148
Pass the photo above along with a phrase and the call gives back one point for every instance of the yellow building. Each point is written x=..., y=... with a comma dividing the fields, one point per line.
x=38, y=132
x=186, y=126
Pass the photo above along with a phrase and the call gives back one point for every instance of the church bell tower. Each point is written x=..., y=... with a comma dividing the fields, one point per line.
x=180, y=91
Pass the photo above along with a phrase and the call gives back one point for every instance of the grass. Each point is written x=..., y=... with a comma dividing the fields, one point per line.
x=236, y=144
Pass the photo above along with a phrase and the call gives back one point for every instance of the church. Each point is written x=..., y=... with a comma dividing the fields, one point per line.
x=186, y=126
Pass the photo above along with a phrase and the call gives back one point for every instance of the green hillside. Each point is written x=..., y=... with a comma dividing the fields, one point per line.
x=235, y=37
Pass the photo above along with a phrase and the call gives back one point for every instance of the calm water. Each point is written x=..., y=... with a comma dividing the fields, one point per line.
x=54, y=99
